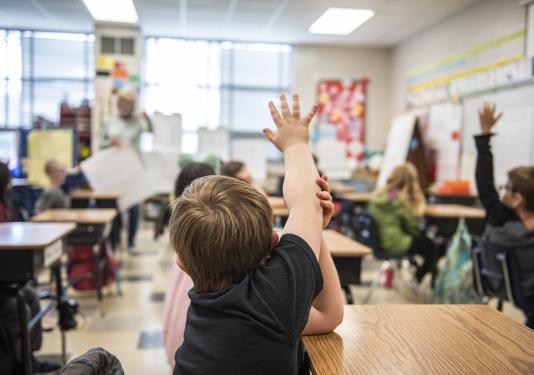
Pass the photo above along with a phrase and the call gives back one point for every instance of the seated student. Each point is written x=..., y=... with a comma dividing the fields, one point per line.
x=9, y=323
x=53, y=196
x=252, y=300
x=510, y=219
x=395, y=209
x=238, y=169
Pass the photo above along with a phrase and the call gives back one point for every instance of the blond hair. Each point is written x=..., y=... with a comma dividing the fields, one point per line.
x=220, y=229
x=404, y=179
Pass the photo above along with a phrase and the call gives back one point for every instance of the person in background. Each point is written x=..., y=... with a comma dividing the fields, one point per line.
x=239, y=170
x=125, y=129
x=53, y=196
x=9, y=322
x=510, y=218
x=395, y=209
x=176, y=299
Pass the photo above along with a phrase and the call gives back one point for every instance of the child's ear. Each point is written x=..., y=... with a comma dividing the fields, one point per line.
x=180, y=264
x=274, y=239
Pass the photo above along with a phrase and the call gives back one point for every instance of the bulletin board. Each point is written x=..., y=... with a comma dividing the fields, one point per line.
x=341, y=124
x=44, y=145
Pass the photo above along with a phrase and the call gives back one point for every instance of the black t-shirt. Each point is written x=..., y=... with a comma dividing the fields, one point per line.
x=255, y=326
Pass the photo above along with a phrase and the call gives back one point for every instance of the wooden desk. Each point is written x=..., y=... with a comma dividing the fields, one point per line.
x=276, y=202
x=423, y=339
x=356, y=197
x=340, y=188
x=343, y=246
x=26, y=248
x=454, y=211
x=89, y=194
x=84, y=216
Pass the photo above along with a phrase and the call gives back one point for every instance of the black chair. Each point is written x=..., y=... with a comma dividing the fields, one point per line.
x=499, y=272
x=367, y=233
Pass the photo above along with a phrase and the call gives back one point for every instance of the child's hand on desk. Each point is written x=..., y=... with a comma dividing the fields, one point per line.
x=325, y=198
x=292, y=130
x=487, y=117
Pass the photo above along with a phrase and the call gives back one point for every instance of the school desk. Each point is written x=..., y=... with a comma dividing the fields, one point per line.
x=347, y=255
x=93, y=228
x=358, y=198
x=26, y=249
x=423, y=339
x=454, y=211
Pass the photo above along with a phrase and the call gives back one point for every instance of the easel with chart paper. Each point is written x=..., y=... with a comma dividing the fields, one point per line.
x=404, y=144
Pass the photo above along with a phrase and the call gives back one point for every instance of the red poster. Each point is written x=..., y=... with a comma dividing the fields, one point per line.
x=342, y=113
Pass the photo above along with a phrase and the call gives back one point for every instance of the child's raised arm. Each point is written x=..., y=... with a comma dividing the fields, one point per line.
x=292, y=136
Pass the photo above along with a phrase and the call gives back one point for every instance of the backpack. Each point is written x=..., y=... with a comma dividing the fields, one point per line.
x=81, y=266
x=455, y=283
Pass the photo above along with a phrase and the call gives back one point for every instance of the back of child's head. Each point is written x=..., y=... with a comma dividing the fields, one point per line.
x=221, y=229
x=521, y=180
x=54, y=169
x=190, y=173
x=232, y=168
x=405, y=180
x=5, y=182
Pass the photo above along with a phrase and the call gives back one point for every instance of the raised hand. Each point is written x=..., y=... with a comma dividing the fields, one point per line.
x=291, y=129
x=325, y=199
x=487, y=117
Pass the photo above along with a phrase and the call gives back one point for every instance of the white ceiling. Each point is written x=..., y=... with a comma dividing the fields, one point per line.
x=253, y=20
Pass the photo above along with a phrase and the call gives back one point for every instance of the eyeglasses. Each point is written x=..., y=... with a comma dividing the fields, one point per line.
x=505, y=188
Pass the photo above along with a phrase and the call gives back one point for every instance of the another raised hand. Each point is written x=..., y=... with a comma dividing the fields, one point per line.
x=487, y=117
x=291, y=129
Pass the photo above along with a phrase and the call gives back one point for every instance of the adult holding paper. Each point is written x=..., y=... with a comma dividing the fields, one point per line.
x=124, y=129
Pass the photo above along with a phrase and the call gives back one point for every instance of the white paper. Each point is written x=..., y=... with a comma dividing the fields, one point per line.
x=162, y=170
x=332, y=158
x=120, y=170
x=445, y=121
x=167, y=132
x=214, y=142
x=397, y=145
x=252, y=152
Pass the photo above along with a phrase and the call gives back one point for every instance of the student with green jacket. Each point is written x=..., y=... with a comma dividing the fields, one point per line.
x=395, y=209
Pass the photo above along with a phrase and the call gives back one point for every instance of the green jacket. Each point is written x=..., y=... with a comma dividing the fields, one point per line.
x=396, y=223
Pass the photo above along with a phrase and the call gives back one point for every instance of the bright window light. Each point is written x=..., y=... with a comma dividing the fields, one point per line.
x=340, y=21
x=112, y=11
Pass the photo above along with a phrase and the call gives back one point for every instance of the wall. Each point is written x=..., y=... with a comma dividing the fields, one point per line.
x=483, y=22
x=313, y=63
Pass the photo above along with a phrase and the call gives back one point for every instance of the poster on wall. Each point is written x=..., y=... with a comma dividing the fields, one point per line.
x=341, y=121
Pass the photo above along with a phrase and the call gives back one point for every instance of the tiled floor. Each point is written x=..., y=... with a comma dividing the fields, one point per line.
x=131, y=325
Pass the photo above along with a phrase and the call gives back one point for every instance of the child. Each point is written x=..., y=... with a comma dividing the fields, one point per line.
x=6, y=210
x=395, y=209
x=53, y=196
x=510, y=220
x=239, y=170
x=252, y=300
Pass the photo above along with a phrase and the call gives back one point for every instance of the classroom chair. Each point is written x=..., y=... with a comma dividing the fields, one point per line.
x=498, y=274
x=367, y=233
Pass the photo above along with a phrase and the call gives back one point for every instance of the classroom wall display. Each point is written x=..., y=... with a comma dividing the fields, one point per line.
x=341, y=119
x=495, y=64
x=44, y=145
x=513, y=144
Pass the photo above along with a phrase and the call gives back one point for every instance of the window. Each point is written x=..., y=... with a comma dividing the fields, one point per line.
x=215, y=84
x=42, y=70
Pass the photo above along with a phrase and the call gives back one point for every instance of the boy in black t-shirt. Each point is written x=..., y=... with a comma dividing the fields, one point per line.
x=253, y=296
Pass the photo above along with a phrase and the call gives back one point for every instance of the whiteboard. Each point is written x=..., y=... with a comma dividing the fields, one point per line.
x=397, y=145
x=513, y=144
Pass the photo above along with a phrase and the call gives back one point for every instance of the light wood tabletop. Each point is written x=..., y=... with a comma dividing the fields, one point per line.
x=356, y=197
x=341, y=188
x=77, y=215
x=276, y=202
x=89, y=194
x=454, y=211
x=37, y=236
x=423, y=339
x=343, y=246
